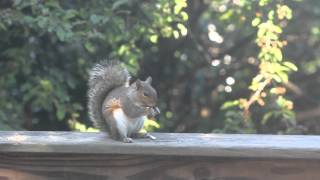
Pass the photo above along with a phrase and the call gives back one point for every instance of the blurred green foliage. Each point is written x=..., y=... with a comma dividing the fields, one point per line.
x=273, y=70
x=48, y=46
x=219, y=66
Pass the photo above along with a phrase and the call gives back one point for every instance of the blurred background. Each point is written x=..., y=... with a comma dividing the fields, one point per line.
x=223, y=66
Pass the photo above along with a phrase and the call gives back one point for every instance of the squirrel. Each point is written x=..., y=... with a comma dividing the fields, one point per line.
x=118, y=107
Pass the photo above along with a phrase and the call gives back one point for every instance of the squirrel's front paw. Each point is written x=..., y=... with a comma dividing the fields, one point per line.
x=152, y=112
x=127, y=140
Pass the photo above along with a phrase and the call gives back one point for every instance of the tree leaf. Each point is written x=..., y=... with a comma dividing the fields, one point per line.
x=255, y=21
x=230, y=104
x=119, y=3
x=290, y=65
x=266, y=117
x=60, y=112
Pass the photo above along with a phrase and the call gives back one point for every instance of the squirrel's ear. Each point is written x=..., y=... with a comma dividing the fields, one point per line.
x=138, y=84
x=149, y=80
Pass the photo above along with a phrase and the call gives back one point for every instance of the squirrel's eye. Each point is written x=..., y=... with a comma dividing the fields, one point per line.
x=145, y=94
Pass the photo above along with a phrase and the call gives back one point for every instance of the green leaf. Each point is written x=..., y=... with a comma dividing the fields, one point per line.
x=52, y=3
x=264, y=2
x=230, y=104
x=277, y=78
x=60, y=112
x=283, y=76
x=277, y=29
x=183, y=29
x=70, y=14
x=151, y=124
x=227, y=15
x=277, y=53
x=89, y=47
x=255, y=21
x=94, y=19
x=42, y=22
x=271, y=15
x=3, y=26
x=180, y=4
x=184, y=16
x=119, y=3
x=154, y=38
x=61, y=34
x=290, y=65
x=258, y=78
x=266, y=117
x=176, y=34
x=16, y=2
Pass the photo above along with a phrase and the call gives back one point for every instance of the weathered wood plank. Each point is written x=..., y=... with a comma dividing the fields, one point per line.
x=37, y=166
x=212, y=145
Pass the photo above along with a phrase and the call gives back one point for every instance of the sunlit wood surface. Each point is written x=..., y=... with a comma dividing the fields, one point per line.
x=73, y=155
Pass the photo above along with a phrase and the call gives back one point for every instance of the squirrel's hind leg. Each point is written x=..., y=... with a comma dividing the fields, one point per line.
x=112, y=124
x=117, y=121
x=121, y=125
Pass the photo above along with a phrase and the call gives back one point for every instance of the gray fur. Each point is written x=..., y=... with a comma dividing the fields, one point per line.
x=109, y=82
x=103, y=78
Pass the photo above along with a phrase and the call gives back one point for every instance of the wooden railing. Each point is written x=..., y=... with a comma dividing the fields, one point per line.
x=86, y=156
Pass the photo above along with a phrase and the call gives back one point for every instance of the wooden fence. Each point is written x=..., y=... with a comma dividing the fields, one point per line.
x=86, y=156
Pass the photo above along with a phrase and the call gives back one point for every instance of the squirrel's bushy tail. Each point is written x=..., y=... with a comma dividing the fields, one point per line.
x=103, y=77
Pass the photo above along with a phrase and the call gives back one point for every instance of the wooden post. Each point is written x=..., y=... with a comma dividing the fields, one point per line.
x=73, y=155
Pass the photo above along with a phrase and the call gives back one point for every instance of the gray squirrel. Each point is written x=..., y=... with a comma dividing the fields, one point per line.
x=118, y=107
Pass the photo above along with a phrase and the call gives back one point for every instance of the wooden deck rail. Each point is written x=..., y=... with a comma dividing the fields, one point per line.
x=86, y=156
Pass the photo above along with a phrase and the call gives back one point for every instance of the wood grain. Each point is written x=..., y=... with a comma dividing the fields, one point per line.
x=210, y=145
x=37, y=166
x=86, y=156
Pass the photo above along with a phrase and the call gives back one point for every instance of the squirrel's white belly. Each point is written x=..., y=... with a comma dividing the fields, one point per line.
x=127, y=125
